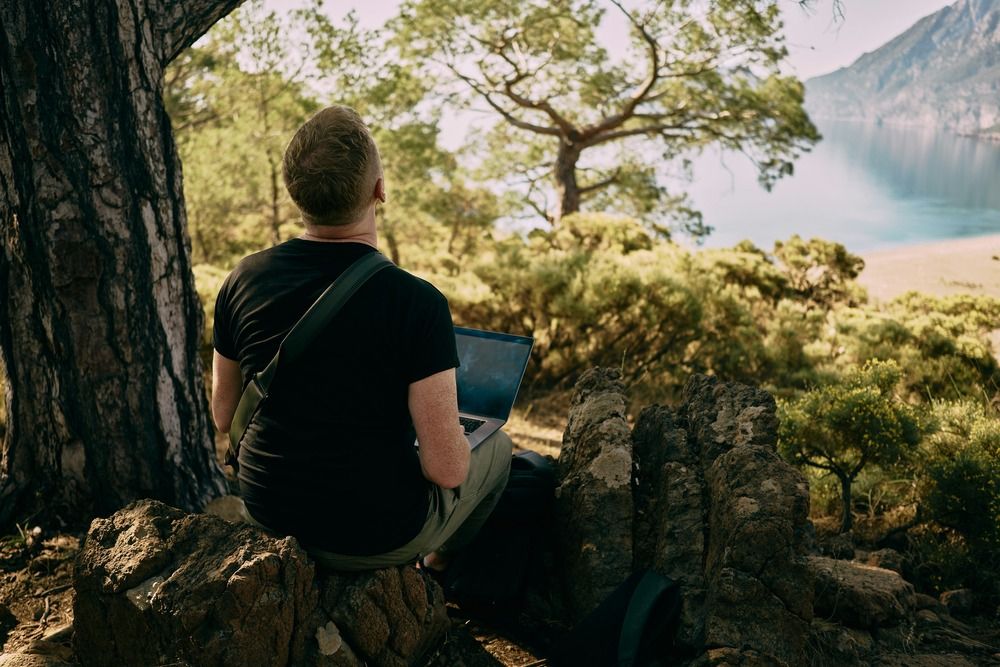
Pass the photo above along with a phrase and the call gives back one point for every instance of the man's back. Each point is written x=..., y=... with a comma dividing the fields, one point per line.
x=330, y=456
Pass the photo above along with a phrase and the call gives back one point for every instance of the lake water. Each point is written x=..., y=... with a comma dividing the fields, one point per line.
x=865, y=186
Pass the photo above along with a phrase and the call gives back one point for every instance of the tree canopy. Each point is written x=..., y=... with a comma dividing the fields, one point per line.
x=580, y=121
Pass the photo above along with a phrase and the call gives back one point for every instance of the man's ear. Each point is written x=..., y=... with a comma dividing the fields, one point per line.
x=380, y=190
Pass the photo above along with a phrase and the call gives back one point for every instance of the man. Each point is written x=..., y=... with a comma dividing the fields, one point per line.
x=330, y=457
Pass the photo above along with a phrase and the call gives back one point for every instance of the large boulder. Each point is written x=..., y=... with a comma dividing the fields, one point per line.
x=593, y=506
x=861, y=596
x=712, y=506
x=155, y=585
x=758, y=601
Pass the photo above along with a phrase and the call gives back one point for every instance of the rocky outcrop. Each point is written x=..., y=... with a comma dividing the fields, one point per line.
x=593, y=506
x=959, y=601
x=155, y=585
x=861, y=596
x=712, y=506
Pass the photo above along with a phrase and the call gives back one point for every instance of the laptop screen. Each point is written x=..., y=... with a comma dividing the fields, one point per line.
x=492, y=365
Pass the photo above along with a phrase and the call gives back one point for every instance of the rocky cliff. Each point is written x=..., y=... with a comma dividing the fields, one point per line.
x=942, y=72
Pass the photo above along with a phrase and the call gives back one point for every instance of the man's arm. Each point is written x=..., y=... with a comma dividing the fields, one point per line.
x=227, y=387
x=444, y=449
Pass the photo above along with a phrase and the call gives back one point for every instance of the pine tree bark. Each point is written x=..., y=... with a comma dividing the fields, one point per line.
x=99, y=318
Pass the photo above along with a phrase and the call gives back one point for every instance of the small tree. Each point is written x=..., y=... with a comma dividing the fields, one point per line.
x=841, y=428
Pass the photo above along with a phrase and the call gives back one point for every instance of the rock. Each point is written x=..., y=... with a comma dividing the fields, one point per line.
x=39, y=653
x=593, y=507
x=720, y=512
x=840, y=546
x=59, y=633
x=230, y=508
x=924, y=601
x=7, y=623
x=156, y=585
x=927, y=617
x=834, y=645
x=888, y=559
x=959, y=601
x=670, y=512
x=861, y=596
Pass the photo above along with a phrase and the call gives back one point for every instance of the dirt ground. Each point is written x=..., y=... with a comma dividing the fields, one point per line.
x=36, y=594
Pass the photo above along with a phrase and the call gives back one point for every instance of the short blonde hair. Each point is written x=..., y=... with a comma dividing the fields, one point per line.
x=331, y=167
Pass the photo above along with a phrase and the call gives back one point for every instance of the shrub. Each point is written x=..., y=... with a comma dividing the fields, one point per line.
x=959, y=472
x=841, y=428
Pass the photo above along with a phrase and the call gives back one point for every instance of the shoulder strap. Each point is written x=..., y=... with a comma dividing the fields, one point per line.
x=295, y=342
x=321, y=312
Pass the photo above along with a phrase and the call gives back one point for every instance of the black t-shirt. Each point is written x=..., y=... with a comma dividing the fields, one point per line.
x=330, y=457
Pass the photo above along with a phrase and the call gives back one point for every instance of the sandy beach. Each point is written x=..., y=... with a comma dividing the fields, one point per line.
x=955, y=266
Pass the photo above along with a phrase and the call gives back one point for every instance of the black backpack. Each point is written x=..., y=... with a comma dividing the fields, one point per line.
x=635, y=626
x=489, y=577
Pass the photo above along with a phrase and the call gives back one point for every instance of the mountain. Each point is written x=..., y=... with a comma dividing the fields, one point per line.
x=943, y=72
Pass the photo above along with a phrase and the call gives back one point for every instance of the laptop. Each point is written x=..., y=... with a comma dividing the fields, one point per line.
x=492, y=366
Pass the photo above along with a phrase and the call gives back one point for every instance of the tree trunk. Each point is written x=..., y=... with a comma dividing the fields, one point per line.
x=99, y=318
x=846, y=519
x=567, y=190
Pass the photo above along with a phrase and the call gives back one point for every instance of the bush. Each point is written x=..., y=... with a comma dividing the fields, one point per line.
x=959, y=471
x=207, y=280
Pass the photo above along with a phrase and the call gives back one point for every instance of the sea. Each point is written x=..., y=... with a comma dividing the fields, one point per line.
x=867, y=186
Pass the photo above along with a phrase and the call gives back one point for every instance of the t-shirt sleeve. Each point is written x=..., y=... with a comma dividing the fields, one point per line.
x=433, y=347
x=223, y=338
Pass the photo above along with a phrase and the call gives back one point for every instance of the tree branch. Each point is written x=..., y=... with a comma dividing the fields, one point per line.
x=507, y=115
x=613, y=178
x=814, y=464
x=636, y=131
x=652, y=75
x=181, y=22
x=519, y=76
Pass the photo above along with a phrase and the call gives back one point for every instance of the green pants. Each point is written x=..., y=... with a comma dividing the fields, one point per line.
x=453, y=518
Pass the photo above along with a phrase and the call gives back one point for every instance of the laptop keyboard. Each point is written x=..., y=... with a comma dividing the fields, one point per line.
x=470, y=424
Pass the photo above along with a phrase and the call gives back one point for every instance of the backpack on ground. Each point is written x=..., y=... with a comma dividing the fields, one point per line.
x=489, y=577
x=633, y=627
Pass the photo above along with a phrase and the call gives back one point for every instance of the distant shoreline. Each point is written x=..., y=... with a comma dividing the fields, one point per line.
x=991, y=134
x=969, y=265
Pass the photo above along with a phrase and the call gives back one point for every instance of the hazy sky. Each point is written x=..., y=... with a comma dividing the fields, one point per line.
x=817, y=44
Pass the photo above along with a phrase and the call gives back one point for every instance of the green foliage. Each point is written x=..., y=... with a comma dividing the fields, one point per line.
x=207, y=281
x=960, y=466
x=597, y=291
x=941, y=343
x=820, y=272
x=235, y=99
x=840, y=428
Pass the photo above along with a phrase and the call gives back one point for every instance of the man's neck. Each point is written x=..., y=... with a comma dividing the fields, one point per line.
x=362, y=231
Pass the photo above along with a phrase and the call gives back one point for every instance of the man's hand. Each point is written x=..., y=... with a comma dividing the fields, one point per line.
x=227, y=387
x=444, y=449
